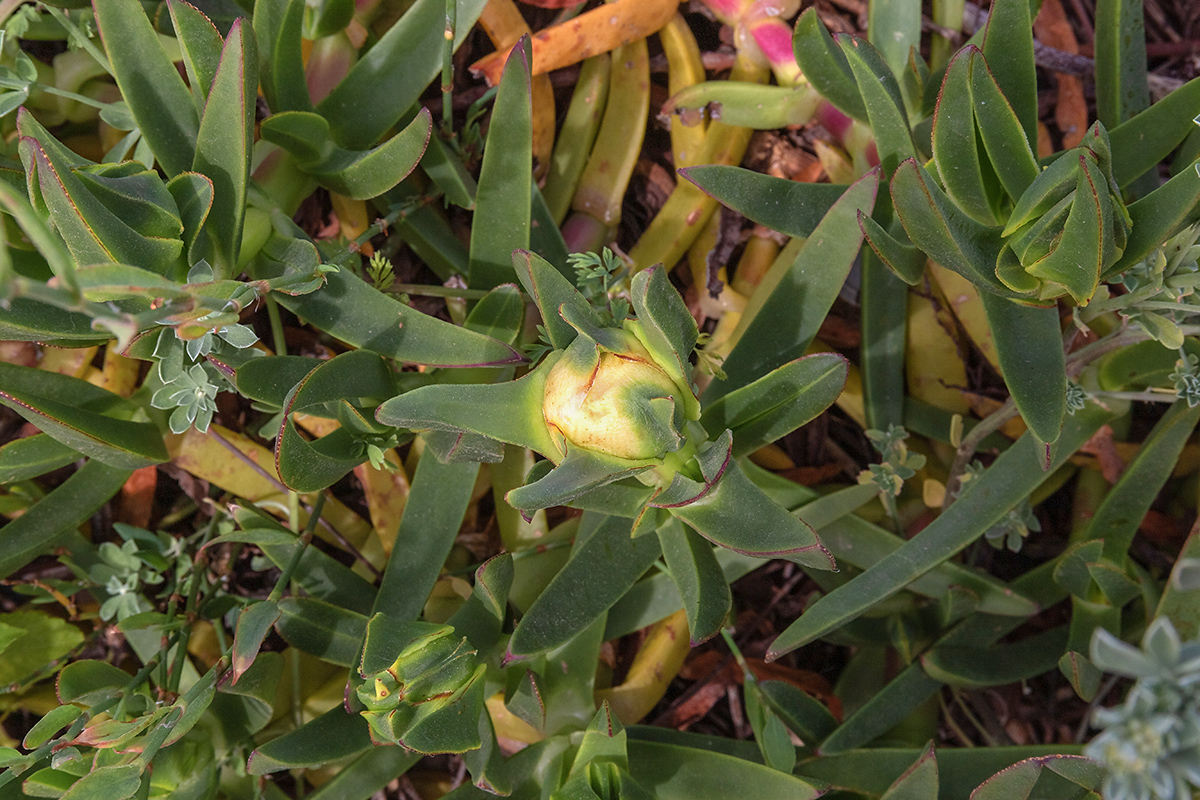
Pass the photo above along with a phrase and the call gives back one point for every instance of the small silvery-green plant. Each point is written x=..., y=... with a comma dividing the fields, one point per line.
x=1151, y=742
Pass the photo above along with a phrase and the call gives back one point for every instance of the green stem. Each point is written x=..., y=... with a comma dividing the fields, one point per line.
x=448, y=69
x=285, y=577
x=276, y=327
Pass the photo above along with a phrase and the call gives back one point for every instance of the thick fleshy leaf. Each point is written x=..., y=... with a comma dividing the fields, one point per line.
x=115, y=782
x=200, y=44
x=895, y=29
x=947, y=235
x=746, y=104
x=919, y=782
x=1117, y=518
x=90, y=209
x=502, y=201
x=1009, y=480
x=1003, y=137
x=824, y=65
x=1149, y=137
x=550, y=292
x=253, y=625
x=327, y=631
x=796, y=297
x=698, y=576
x=150, y=84
x=405, y=59
x=507, y=412
x=223, y=145
x=1029, y=346
x=1122, y=89
x=84, y=417
x=790, y=207
x=330, y=737
x=1160, y=215
x=580, y=472
x=955, y=149
x=997, y=664
x=900, y=256
x=432, y=517
x=1018, y=781
x=805, y=716
x=884, y=300
x=1008, y=48
x=884, y=103
x=738, y=515
x=351, y=310
x=777, y=403
x=665, y=325
x=599, y=572
x=671, y=772
x=278, y=26
x=22, y=459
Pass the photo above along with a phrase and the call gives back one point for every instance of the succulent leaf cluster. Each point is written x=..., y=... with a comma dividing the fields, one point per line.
x=1151, y=742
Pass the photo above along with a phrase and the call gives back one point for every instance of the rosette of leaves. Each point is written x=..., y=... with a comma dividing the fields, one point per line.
x=612, y=410
x=1151, y=742
x=423, y=687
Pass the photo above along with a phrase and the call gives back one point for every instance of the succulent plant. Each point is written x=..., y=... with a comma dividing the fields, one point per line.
x=1151, y=742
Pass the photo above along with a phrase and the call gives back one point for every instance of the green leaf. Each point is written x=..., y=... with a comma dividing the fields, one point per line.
x=1160, y=215
x=884, y=103
x=1018, y=781
x=777, y=403
x=22, y=459
x=599, y=572
x=107, y=783
x=919, y=782
x=698, y=576
x=1179, y=599
x=900, y=256
x=1125, y=505
x=405, y=59
x=437, y=503
x=359, y=174
x=885, y=709
x=824, y=65
x=1122, y=89
x=446, y=169
x=1003, y=137
x=330, y=737
x=997, y=664
x=894, y=27
x=253, y=625
x=39, y=640
x=502, y=202
x=57, y=515
x=884, y=300
x=808, y=718
x=947, y=235
x=1012, y=478
x=90, y=209
x=955, y=149
x=737, y=514
x=223, y=145
x=90, y=682
x=368, y=774
x=665, y=325
x=1082, y=673
x=746, y=104
x=791, y=207
x=362, y=316
x=54, y=721
x=1008, y=48
x=200, y=44
x=551, y=292
x=772, y=737
x=1141, y=142
x=323, y=629
x=671, y=772
x=1029, y=347
x=84, y=417
x=796, y=297
x=277, y=26
x=150, y=84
